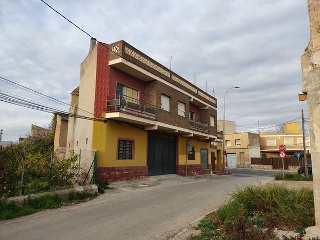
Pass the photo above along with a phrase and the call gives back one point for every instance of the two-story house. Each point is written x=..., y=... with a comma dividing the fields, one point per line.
x=240, y=148
x=141, y=118
x=291, y=137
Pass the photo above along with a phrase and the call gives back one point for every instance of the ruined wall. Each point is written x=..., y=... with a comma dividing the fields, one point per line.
x=310, y=63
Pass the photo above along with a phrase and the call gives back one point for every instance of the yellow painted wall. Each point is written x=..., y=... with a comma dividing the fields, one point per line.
x=105, y=140
x=292, y=128
x=182, y=151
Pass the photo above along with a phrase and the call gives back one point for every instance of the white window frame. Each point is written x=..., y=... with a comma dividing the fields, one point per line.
x=181, y=109
x=165, y=103
x=238, y=142
x=288, y=141
x=212, y=121
x=228, y=143
x=271, y=142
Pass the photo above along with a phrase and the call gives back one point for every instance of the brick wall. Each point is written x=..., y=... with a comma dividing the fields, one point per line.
x=193, y=169
x=111, y=174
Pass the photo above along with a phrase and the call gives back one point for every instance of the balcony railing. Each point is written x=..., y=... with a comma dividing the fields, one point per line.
x=130, y=105
x=201, y=127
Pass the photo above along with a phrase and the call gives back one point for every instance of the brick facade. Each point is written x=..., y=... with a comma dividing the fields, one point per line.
x=111, y=174
x=193, y=169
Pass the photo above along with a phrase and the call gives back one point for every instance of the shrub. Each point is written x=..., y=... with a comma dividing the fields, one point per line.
x=292, y=177
x=253, y=212
x=41, y=172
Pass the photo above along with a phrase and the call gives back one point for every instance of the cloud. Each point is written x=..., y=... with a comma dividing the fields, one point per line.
x=253, y=44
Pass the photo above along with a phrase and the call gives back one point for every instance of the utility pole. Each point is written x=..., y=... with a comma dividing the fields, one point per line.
x=304, y=146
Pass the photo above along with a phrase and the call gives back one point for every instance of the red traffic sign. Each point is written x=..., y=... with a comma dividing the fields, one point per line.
x=282, y=148
x=282, y=154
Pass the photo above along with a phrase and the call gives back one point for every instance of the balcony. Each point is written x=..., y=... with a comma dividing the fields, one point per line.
x=130, y=106
x=197, y=126
x=133, y=111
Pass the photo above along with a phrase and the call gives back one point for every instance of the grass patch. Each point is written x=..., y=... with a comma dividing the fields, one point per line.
x=292, y=177
x=254, y=212
x=9, y=210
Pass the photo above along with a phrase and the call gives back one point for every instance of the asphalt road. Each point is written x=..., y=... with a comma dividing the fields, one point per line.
x=155, y=208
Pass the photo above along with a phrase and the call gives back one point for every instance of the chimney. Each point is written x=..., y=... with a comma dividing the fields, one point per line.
x=93, y=43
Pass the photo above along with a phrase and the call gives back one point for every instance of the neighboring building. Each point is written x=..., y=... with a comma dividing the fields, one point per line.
x=61, y=131
x=292, y=138
x=37, y=131
x=230, y=126
x=310, y=64
x=140, y=117
x=240, y=148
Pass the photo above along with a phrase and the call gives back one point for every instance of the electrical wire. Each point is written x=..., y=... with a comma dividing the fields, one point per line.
x=261, y=128
x=85, y=32
x=39, y=93
x=23, y=102
x=67, y=19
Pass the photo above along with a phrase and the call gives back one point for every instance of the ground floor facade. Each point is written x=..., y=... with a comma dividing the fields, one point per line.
x=126, y=151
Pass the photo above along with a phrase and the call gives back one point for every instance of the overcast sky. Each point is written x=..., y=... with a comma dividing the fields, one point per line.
x=254, y=44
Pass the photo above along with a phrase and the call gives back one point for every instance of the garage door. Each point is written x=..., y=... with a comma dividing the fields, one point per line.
x=231, y=160
x=161, y=154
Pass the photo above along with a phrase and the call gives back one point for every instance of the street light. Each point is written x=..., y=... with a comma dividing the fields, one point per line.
x=224, y=125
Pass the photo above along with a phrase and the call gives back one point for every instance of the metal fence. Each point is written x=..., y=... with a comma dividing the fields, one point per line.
x=86, y=163
x=276, y=163
x=24, y=173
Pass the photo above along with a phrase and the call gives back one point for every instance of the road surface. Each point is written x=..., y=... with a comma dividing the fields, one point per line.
x=160, y=207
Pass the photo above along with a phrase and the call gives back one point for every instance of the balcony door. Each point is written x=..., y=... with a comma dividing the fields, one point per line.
x=129, y=94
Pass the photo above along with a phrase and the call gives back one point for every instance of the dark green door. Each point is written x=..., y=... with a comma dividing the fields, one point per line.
x=161, y=154
x=204, y=158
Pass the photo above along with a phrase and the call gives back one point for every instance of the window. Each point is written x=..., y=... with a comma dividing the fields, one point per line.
x=228, y=143
x=165, y=103
x=181, y=109
x=271, y=142
x=288, y=142
x=125, y=149
x=299, y=141
x=191, y=154
x=212, y=121
x=238, y=142
x=129, y=94
x=192, y=116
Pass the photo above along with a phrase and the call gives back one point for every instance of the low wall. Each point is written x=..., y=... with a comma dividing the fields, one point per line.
x=263, y=167
x=93, y=189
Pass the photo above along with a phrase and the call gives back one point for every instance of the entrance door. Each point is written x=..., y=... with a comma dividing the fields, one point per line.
x=213, y=161
x=232, y=160
x=161, y=154
x=204, y=158
x=242, y=159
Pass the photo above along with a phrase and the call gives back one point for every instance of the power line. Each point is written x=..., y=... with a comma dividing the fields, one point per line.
x=39, y=93
x=23, y=102
x=31, y=90
x=268, y=127
x=102, y=43
x=67, y=19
